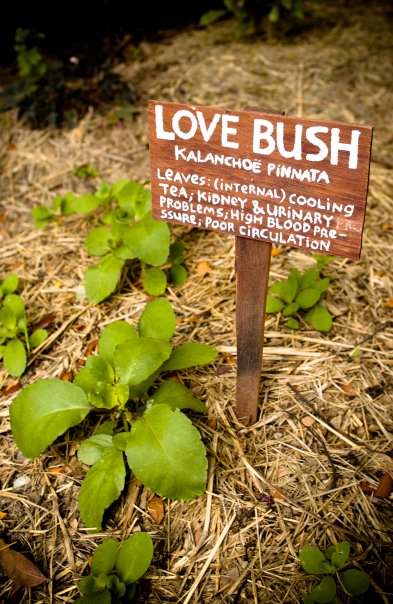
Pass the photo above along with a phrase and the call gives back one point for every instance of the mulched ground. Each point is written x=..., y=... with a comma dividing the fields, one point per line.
x=307, y=471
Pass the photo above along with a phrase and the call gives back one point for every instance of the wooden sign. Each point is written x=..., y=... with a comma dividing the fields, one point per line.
x=265, y=178
x=286, y=180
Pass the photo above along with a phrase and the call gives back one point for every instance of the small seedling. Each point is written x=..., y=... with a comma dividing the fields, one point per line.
x=301, y=296
x=162, y=446
x=352, y=581
x=127, y=232
x=14, y=337
x=115, y=570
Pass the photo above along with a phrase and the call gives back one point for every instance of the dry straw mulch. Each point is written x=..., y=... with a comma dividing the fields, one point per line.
x=296, y=477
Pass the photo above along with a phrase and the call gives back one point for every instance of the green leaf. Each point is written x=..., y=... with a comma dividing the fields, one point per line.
x=106, y=427
x=9, y=284
x=101, y=487
x=104, y=557
x=93, y=448
x=274, y=15
x=37, y=337
x=157, y=320
x=97, y=242
x=178, y=274
x=189, y=355
x=308, y=297
x=14, y=357
x=85, y=380
x=16, y=304
x=330, y=551
x=8, y=317
x=86, y=203
x=292, y=323
x=41, y=216
x=136, y=360
x=313, y=561
x=177, y=396
x=114, y=334
x=154, y=281
x=320, y=318
x=43, y=411
x=290, y=309
x=96, y=598
x=211, y=16
x=176, y=252
x=323, y=284
x=101, y=279
x=310, y=278
x=325, y=592
x=341, y=554
x=84, y=171
x=286, y=289
x=88, y=585
x=148, y=240
x=134, y=557
x=166, y=453
x=354, y=582
x=100, y=369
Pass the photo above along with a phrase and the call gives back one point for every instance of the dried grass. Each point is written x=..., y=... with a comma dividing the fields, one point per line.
x=292, y=479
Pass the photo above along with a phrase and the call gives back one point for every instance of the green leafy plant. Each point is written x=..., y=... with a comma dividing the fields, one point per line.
x=250, y=13
x=31, y=64
x=127, y=232
x=353, y=582
x=14, y=337
x=301, y=296
x=116, y=569
x=146, y=426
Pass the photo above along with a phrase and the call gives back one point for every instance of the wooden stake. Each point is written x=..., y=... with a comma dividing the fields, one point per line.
x=252, y=270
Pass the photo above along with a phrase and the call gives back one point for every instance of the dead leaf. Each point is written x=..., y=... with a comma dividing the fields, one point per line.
x=3, y=515
x=385, y=486
x=308, y=421
x=389, y=303
x=66, y=376
x=91, y=346
x=276, y=251
x=155, y=507
x=348, y=389
x=203, y=268
x=387, y=226
x=45, y=321
x=366, y=487
x=19, y=568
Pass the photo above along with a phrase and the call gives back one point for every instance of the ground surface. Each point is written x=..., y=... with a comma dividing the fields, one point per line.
x=295, y=478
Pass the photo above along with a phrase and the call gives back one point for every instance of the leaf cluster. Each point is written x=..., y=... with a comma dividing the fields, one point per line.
x=301, y=296
x=250, y=13
x=146, y=426
x=352, y=581
x=115, y=570
x=14, y=337
x=127, y=232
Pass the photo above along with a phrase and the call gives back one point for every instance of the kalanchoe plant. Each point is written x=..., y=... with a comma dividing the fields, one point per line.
x=115, y=570
x=15, y=339
x=301, y=296
x=353, y=582
x=127, y=232
x=147, y=428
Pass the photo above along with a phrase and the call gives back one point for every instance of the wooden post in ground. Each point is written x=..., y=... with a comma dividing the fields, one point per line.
x=252, y=275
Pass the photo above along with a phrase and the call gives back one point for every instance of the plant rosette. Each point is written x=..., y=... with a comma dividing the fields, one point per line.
x=330, y=563
x=15, y=341
x=147, y=428
x=128, y=232
x=115, y=570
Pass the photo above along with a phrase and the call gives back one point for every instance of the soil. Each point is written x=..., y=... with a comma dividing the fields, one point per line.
x=307, y=472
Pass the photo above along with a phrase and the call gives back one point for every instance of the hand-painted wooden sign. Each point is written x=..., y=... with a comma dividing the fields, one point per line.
x=285, y=180
x=264, y=178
